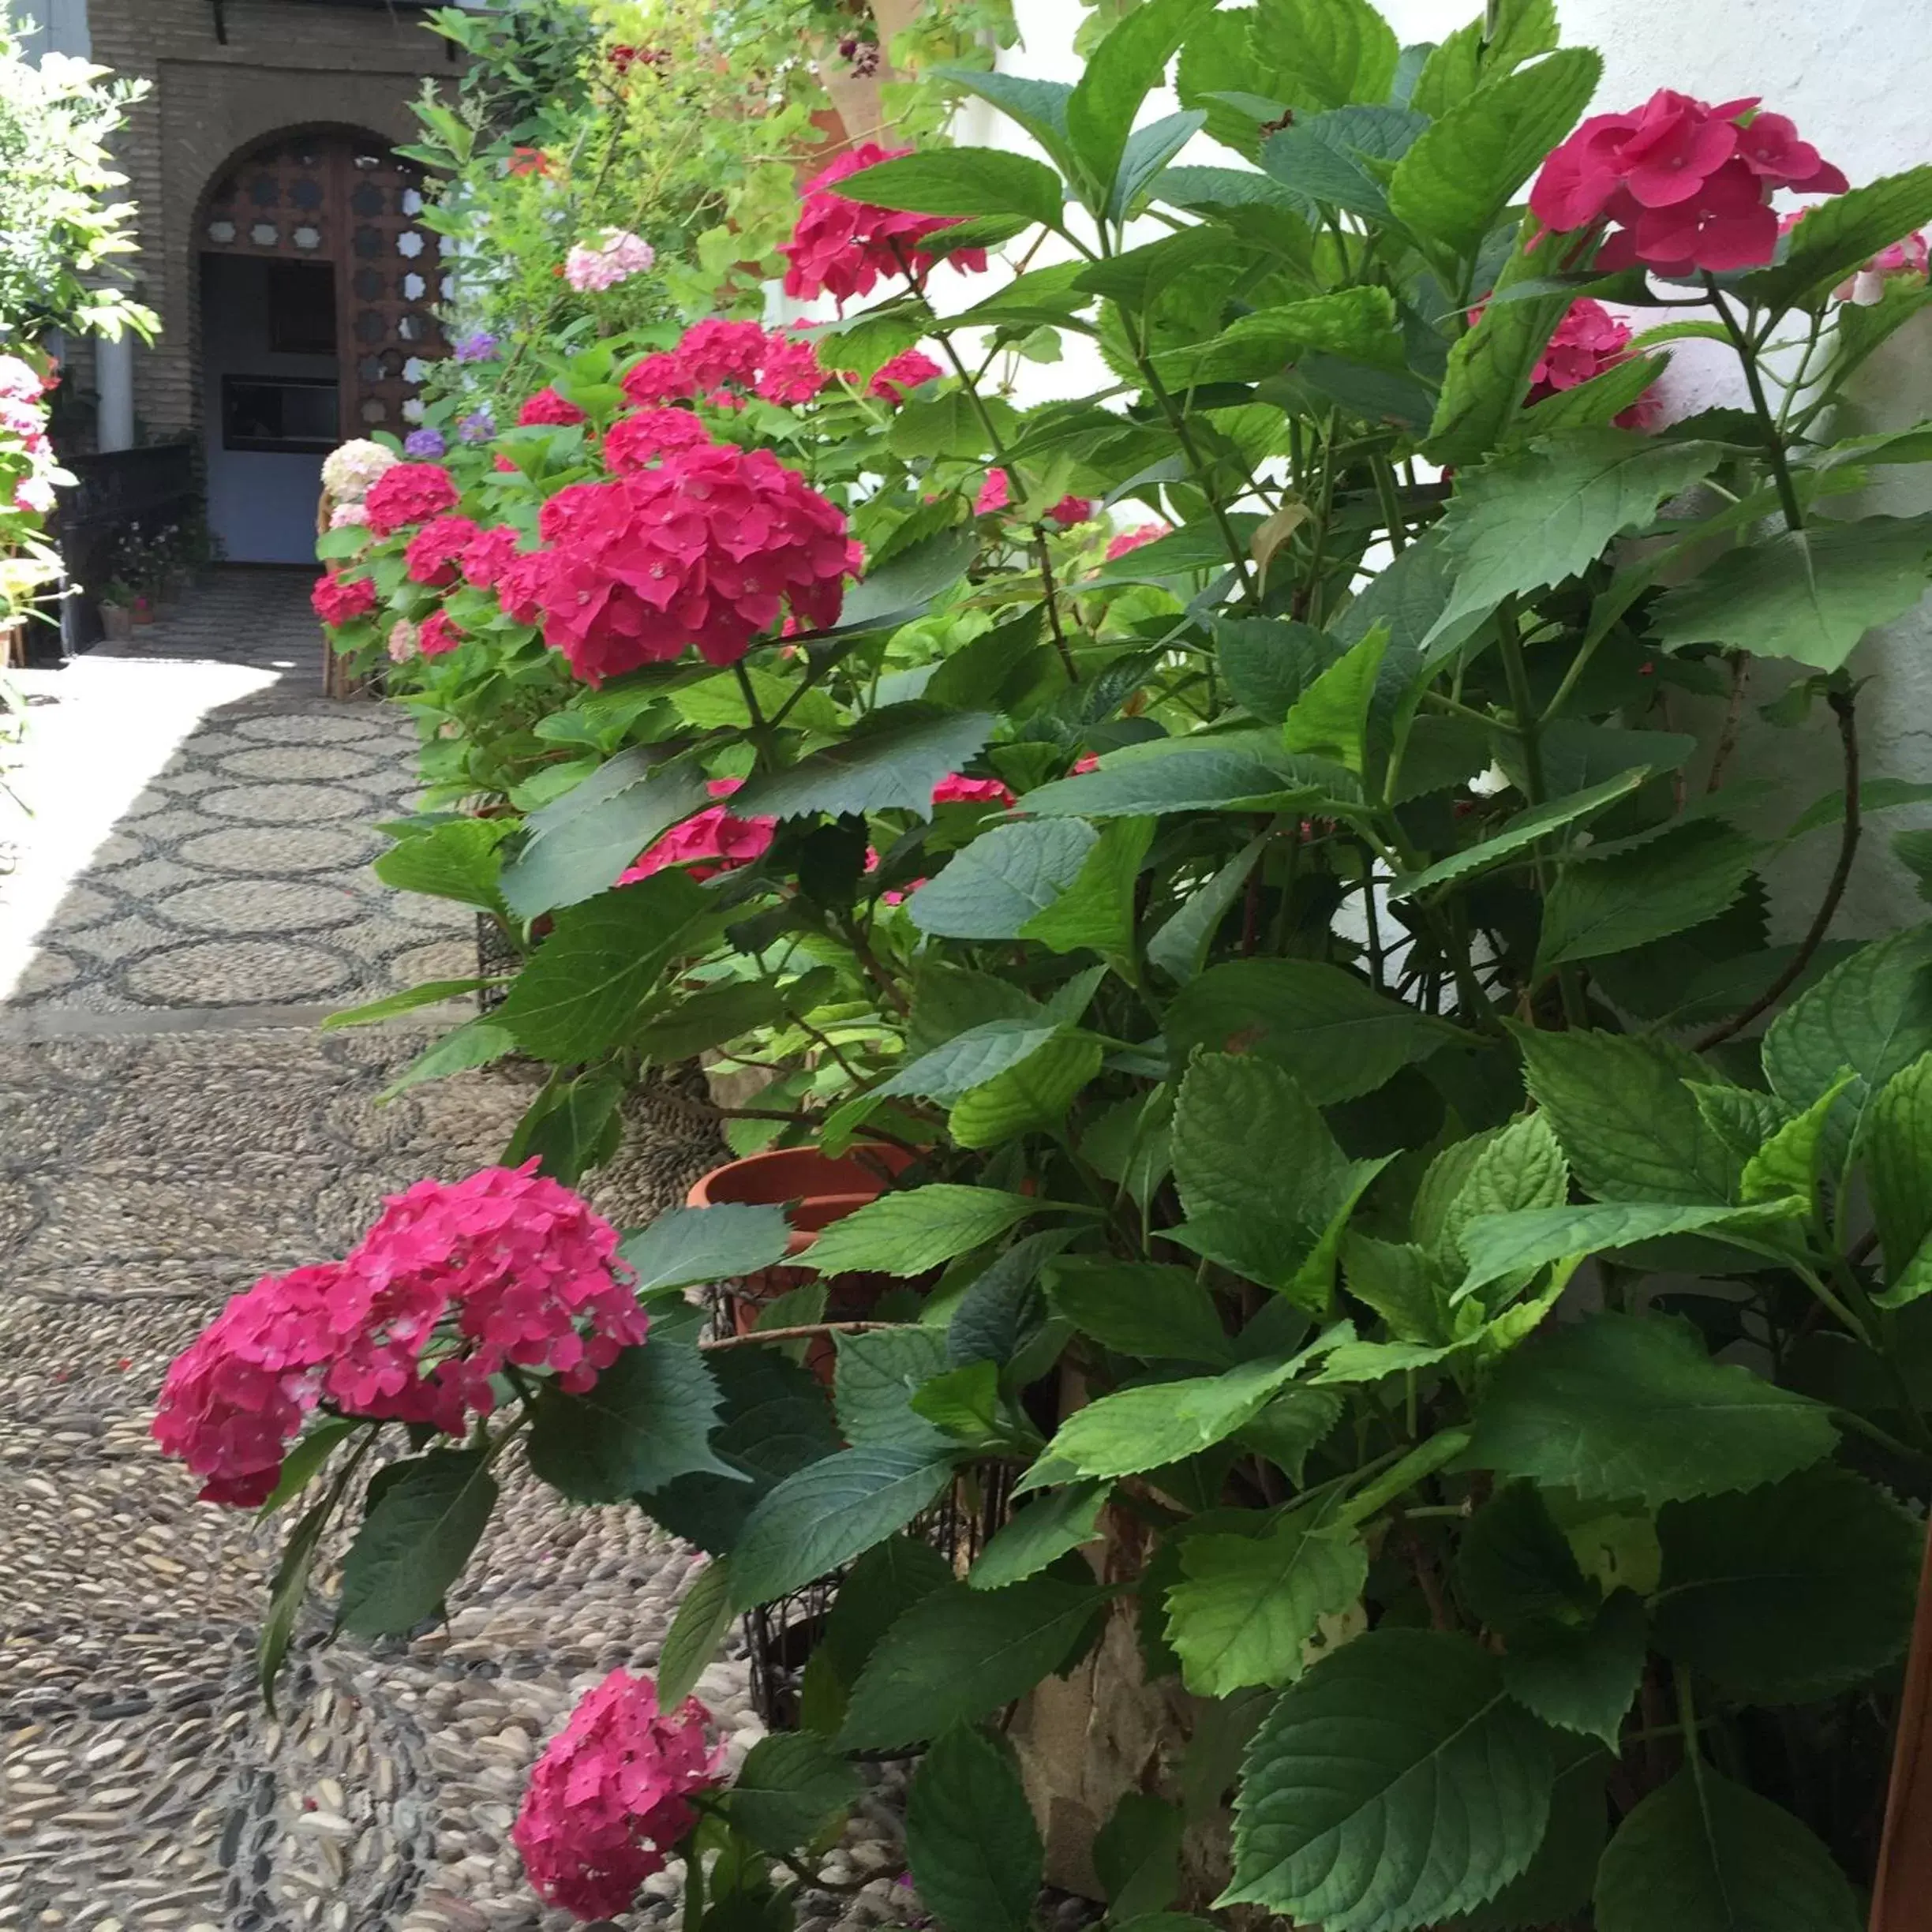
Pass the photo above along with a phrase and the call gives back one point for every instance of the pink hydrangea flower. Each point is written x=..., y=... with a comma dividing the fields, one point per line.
x=907, y=370
x=407, y=493
x=1133, y=539
x=1684, y=187
x=994, y=494
x=703, y=552
x=709, y=355
x=19, y=382
x=960, y=790
x=1588, y=341
x=611, y=1796
x=1867, y=285
x=338, y=600
x=519, y=589
x=349, y=516
x=488, y=555
x=712, y=842
x=236, y=1396
x=548, y=409
x=405, y=641
x=840, y=247
x=437, y=633
x=603, y=264
x=433, y=553
x=791, y=372
x=636, y=441
x=1071, y=510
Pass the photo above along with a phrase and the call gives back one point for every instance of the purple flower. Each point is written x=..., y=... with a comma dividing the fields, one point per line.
x=478, y=426
x=477, y=347
x=424, y=443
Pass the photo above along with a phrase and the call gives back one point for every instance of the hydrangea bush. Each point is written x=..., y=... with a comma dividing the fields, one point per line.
x=1436, y=1260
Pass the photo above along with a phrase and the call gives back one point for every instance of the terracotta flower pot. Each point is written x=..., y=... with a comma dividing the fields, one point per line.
x=818, y=1191
x=117, y=622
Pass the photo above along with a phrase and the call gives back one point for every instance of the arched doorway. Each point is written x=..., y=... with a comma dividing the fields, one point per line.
x=318, y=282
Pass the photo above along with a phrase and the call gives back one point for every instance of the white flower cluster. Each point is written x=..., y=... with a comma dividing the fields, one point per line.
x=350, y=471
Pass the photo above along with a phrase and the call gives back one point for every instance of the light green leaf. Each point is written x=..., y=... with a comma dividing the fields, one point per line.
x=970, y=1841
x=995, y=885
x=1500, y=1244
x=1703, y=1855
x=1897, y=1147
x=1793, y=1592
x=960, y=180
x=1840, y=235
x=1356, y=1810
x=1357, y=324
x=1251, y=1605
x=1517, y=835
x=827, y=1513
x=461, y=860
x=1096, y=911
x=1787, y=1162
x=1335, y=1033
x=922, y=1228
x=1626, y=899
x=1532, y=519
x=1331, y=718
x=1810, y=594
x=1249, y=1143
x=475, y=1043
x=1488, y=47
x=1039, y=1534
x=1627, y=1118
x=1630, y=1406
x=1512, y=1168
x=960, y=1654
x=1873, y=1014
x=1163, y=1422
x=430, y=994
x=1453, y=184
x=1269, y=662
x=1402, y=1284
x=1127, y=65
x=1035, y=1095
x=1181, y=945
x=1324, y=53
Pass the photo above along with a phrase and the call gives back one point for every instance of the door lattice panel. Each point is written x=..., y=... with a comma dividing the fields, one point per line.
x=332, y=198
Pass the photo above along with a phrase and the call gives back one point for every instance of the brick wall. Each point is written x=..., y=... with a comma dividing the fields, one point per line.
x=285, y=67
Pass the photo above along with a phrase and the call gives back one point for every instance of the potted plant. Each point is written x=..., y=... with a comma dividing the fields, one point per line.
x=117, y=600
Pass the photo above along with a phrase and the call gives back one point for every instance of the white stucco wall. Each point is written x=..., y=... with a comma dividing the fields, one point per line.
x=1856, y=76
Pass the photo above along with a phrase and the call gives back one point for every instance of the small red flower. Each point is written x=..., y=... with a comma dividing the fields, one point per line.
x=435, y=551
x=528, y=161
x=548, y=408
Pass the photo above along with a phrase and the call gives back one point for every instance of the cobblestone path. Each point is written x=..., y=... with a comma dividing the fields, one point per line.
x=191, y=898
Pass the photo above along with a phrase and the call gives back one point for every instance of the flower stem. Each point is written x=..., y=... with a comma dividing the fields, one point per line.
x=1754, y=381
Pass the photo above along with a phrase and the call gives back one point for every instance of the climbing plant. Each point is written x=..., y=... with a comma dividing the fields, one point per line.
x=1441, y=1275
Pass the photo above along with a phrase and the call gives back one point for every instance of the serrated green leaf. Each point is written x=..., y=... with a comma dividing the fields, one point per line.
x=1703, y=1855
x=1243, y=771
x=704, y=1617
x=959, y=1654
x=877, y=1374
x=1181, y=947
x=1138, y=1308
x=684, y=1246
x=907, y=1233
x=888, y=762
x=1793, y=1591
x=1629, y=898
x=791, y=1788
x=578, y=994
x=475, y=1043
x=1453, y=186
x=1331, y=718
x=960, y=180
x=1096, y=912
x=1251, y=1605
x=1488, y=47
x=1787, y=1162
x=1123, y=69
x=1838, y=237
x=1358, y=1810
x=970, y=1841
x=1500, y=1244
x=1630, y=1406
x=1529, y=520
x=969, y=1059
x=1003, y=879
x=646, y=1421
x=1039, y=1534
x=827, y=1513
x=1627, y=1118
x=1897, y=1145
x=1581, y=1677
x=1516, y=836
x=460, y=860
x=1809, y=594
x=424, y=1517
x=1162, y=1422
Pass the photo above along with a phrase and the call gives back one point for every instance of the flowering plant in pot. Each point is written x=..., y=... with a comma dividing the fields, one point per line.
x=1447, y=1286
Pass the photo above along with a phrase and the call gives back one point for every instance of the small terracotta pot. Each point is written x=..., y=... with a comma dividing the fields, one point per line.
x=818, y=1190
x=116, y=622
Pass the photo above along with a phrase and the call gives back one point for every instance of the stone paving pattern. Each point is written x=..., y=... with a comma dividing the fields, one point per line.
x=148, y=1171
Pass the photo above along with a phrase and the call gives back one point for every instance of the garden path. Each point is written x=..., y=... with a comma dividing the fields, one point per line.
x=190, y=899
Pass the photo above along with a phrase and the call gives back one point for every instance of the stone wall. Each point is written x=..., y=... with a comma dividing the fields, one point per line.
x=284, y=66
